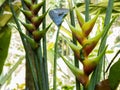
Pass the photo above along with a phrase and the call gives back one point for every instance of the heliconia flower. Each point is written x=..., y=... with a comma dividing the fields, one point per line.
x=75, y=48
x=28, y=3
x=32, y=42
x=79, y=17
x=89, y=65
x=36, y=7
x=28, y=14
x=38, y=19
x=80, y=75
x=88, y=26
x=77, y=34
x=37, y=35
x=89, y=44
x=29, y=27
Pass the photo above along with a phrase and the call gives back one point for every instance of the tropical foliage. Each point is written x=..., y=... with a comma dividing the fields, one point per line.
x=75, y=35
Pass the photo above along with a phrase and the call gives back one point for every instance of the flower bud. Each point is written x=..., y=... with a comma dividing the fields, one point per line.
x=75, y=48
x=80, y=75
x=90, y=44
x=77, y=34
x=36, y=7
x=32, y=42
x=29, y=27
x=28, y=3
x=37, y=35
x=28, y=14
x=38, y=19
x=89, y=65
x=88, y=26
x=79, y=17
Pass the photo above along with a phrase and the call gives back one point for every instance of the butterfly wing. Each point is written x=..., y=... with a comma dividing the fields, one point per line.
x=57, y=15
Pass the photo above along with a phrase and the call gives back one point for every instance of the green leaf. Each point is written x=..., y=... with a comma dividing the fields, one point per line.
x=5, y=18
x=5, y=36
x=114, y=75
x=1, y=2
x=65, y=32
x=7, y=76
x=6, y=14
x=94, y=8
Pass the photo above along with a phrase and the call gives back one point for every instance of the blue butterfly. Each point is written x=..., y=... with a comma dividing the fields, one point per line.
x=57, y=15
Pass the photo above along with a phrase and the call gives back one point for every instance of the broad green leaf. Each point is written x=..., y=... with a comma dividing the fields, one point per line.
x=114, y=75
x=5, y=18
x=7, y=15
x=5, y=36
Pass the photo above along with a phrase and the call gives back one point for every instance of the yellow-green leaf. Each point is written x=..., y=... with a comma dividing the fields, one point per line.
x=4, y=45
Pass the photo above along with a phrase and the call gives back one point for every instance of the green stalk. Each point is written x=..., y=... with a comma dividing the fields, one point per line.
x=96, y=75
x=55, y=59
x=40, y=71
x=45, y=50
x=76, y=61
x=25, y=45
x=32, y=70
x=41, y=67
x=87, y=10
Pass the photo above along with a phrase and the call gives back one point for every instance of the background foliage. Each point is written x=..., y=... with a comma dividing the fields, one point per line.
x=65, y=79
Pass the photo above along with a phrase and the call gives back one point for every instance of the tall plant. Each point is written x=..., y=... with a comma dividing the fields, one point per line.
x=81, y=34
x=32, y=42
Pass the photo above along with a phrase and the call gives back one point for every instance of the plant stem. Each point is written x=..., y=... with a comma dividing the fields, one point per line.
x=45, y=50
x=41, y=74
x=103, y=42
x=38, y=70
x=87, y=10
x=25, y=45
x=55, y=59
x=28, y=57
x=76, y=61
